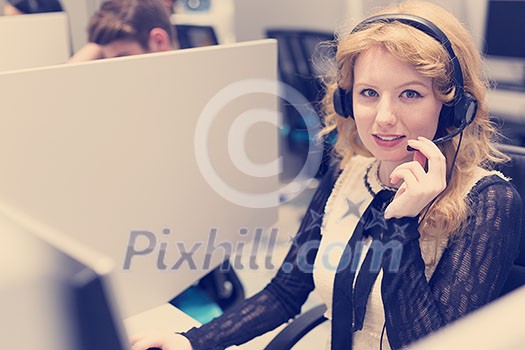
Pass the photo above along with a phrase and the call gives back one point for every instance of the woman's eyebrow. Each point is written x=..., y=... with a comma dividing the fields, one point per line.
x=414, y=82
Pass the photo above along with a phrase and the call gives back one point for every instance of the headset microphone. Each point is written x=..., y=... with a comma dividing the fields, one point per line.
x=442, y=139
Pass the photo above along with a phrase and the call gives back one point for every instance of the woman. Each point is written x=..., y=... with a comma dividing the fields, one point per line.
x=433, y=231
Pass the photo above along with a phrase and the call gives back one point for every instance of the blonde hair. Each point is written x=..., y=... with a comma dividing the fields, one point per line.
x=449, y=212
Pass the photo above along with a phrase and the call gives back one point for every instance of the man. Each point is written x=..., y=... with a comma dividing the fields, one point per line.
x=127, y=27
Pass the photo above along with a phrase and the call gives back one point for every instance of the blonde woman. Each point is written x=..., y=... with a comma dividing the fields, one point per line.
x=397, y=242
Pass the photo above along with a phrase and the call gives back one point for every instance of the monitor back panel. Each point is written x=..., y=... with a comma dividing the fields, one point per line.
x=33, y=41
x=106, y=152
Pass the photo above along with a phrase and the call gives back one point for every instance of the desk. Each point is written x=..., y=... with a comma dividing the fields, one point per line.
x=163, y=318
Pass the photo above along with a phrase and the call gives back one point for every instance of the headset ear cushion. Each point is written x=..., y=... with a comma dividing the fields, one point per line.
x=338, y=102
x=343, y=102
x=465, y=110
x=462, y=113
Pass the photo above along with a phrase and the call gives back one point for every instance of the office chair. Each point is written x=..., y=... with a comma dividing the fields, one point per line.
x=302, y=60
x=213, y=294
x=299, y=327
x=223, y=285
x=190, y=36
x=515, y=169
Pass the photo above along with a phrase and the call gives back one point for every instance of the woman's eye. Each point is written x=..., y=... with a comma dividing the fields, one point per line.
x=369, y=93
x=410, y=94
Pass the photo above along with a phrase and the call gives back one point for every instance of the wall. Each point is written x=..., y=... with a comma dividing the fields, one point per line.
x=254, y=17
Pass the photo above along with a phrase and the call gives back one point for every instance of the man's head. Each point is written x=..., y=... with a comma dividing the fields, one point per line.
x=129, y=27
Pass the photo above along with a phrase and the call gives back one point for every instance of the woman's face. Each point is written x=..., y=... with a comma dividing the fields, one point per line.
x=392, y=103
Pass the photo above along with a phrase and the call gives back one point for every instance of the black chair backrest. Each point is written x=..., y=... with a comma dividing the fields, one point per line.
x=190, y=36
x=303, y=57
x=297, y=55
x=515, y=169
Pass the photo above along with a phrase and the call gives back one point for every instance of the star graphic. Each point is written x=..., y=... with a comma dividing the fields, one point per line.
x=400, y=230
x=352, y=209
x=316, y=220
x=378, y=218
x=292, y=239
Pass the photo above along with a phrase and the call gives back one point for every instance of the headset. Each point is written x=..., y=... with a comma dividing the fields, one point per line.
x=459, y=112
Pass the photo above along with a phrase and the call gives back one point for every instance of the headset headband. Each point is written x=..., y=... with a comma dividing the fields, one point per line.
x=428, y=28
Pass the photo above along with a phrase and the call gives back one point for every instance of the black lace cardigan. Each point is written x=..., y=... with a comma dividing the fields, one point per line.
x=470, y=273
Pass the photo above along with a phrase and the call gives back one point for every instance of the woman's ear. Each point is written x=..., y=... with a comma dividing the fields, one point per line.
x=159, y=40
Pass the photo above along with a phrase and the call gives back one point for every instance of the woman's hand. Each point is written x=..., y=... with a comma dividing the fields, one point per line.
x=162, y=340
x=419, y=187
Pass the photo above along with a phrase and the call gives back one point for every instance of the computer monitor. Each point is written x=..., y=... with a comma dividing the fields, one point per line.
x=503, y=29
x=110, y=152
x=503, y=45
x=35, y=40
x=55, y=291
x=190, y=36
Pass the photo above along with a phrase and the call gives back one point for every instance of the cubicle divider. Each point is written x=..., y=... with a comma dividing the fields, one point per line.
x=148, y=159
x=34, y=41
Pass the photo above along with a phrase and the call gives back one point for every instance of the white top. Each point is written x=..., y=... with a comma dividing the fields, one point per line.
x=344, y=208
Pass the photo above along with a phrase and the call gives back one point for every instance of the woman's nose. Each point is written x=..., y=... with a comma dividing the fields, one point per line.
x=385, y=115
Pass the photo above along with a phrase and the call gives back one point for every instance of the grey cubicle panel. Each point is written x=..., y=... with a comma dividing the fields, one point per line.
x=33, y=41
x=106, y=152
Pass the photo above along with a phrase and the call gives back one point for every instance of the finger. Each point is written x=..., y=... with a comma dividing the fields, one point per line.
x=436, y=159
x=406, y=175
x=415, y=167
x=392, y=210
x=420, y=158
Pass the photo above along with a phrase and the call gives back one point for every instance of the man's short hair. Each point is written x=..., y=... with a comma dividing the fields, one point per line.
x=128, y=20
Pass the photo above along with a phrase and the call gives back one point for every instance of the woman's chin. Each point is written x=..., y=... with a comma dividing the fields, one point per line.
x=398, y=156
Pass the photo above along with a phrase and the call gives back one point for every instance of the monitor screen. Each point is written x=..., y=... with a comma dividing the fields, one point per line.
x=504, y=29
x=55, y=291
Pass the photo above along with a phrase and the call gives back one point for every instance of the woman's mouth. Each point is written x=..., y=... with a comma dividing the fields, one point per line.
x=388, y=140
